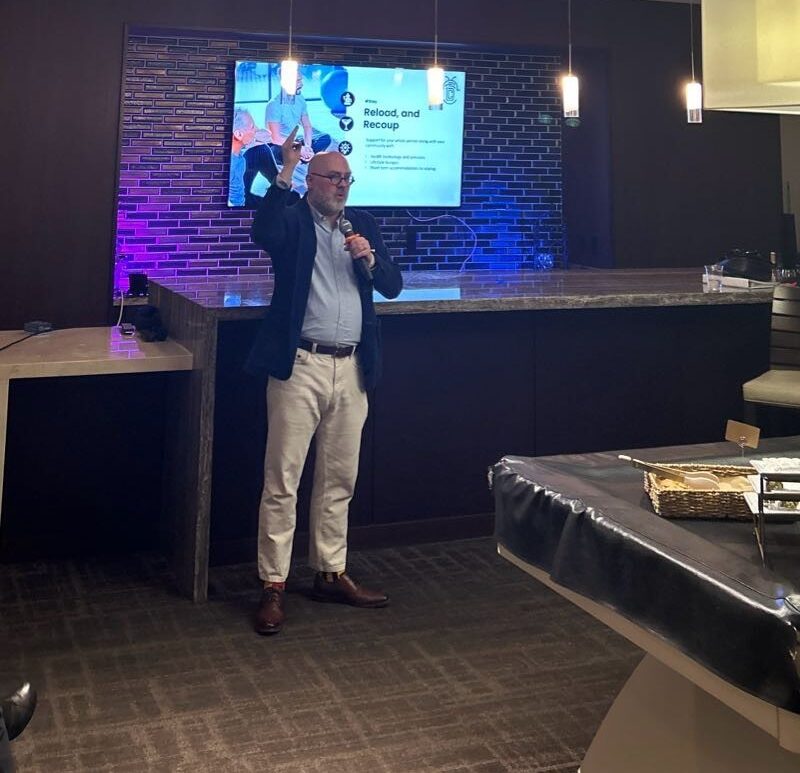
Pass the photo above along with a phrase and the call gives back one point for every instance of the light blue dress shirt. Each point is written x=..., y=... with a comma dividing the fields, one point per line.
x=333, y=312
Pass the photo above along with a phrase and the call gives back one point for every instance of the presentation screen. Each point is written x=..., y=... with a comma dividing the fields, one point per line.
x=401, y=153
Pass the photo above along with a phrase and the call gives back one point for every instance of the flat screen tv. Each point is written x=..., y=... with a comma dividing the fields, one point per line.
x=401, y=153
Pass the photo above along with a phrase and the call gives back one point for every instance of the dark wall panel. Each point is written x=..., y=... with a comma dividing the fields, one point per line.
x=626, y=378
x=459, y=386
x=61, y=83
x=586, y=160
x=682, y=194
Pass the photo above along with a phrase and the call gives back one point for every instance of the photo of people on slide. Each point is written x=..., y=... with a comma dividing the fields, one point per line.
x=316, y=108
x=378, y=117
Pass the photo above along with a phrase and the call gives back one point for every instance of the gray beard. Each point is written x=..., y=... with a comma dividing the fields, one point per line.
x=324, y=209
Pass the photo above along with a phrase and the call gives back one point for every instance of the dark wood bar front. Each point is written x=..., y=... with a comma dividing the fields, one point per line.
x=476, y=365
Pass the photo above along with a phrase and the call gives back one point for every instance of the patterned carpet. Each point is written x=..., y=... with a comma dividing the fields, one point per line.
x=474, y=668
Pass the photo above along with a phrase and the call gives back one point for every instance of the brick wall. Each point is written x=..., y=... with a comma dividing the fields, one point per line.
x=173, y=218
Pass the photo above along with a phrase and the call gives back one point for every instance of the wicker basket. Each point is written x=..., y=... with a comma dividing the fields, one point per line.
x=678, y=503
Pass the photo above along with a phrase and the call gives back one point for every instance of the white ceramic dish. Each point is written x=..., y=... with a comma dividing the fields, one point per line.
x=777, y=464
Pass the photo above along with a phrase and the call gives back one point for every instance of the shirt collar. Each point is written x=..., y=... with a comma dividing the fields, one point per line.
x=320, y=219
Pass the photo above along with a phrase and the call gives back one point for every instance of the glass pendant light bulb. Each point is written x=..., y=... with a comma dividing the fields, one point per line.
x=694, y=102
x=570, y=94
x=435, y=88
x=289, y=76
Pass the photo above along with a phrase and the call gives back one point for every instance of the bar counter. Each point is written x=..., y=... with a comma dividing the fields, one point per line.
x=475, y=365
x=430, y=292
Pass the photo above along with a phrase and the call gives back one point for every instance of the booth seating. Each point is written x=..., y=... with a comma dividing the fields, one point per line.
x=780, y=385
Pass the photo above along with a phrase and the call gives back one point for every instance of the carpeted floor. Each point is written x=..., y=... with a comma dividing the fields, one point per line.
x=474, y=668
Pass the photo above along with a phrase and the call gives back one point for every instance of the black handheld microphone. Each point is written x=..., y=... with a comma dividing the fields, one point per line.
x=361, y=265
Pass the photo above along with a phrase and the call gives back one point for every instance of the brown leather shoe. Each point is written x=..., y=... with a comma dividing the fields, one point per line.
x=344, y=591
x=17, y=710
x=270, y=615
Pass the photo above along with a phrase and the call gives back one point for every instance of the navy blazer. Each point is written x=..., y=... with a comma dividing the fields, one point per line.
x=284, y=227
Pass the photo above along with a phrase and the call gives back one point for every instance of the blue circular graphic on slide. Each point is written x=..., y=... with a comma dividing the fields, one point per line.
x=347, y=98
x=345, y=148
x=346, y=123
x=331, y=89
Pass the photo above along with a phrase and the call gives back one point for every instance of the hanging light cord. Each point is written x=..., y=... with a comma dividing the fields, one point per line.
x=291, y=8
x=691, y=36
x=569, y=34
x=435, y=33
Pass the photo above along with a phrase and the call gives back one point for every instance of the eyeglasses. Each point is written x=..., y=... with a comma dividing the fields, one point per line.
x=334, y=178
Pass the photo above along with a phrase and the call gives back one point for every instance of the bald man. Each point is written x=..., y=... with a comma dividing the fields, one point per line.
x=320, y=349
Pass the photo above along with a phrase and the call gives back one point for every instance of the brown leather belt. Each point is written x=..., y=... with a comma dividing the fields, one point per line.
x=333, y=351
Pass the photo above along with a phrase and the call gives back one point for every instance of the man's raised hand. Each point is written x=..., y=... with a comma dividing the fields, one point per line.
x=291, y=149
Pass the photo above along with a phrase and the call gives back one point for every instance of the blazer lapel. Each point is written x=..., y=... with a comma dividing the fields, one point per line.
x=307, y=245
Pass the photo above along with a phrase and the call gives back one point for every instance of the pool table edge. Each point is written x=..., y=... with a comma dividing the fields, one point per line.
x=783, y=725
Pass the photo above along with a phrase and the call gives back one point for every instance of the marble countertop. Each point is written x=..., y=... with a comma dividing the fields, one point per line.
x=86, y=351
x=242, y=297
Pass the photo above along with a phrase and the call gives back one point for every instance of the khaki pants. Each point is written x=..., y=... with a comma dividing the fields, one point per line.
x=324, y=396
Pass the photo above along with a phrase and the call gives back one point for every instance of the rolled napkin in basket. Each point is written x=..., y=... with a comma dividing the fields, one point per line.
x=699, y=480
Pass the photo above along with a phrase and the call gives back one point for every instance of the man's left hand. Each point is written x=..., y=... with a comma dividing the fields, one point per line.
x=359, y=247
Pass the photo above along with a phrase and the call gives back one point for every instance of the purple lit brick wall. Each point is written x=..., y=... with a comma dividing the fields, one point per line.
x=173, y=219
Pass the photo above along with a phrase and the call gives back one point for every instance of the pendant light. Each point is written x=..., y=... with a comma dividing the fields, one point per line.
x=435, y=73
x=569, y=83
x=289, y=65
x=694, y=90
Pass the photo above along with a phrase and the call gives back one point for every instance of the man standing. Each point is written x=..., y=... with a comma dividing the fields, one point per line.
x=319, y=344
x=283, y=114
